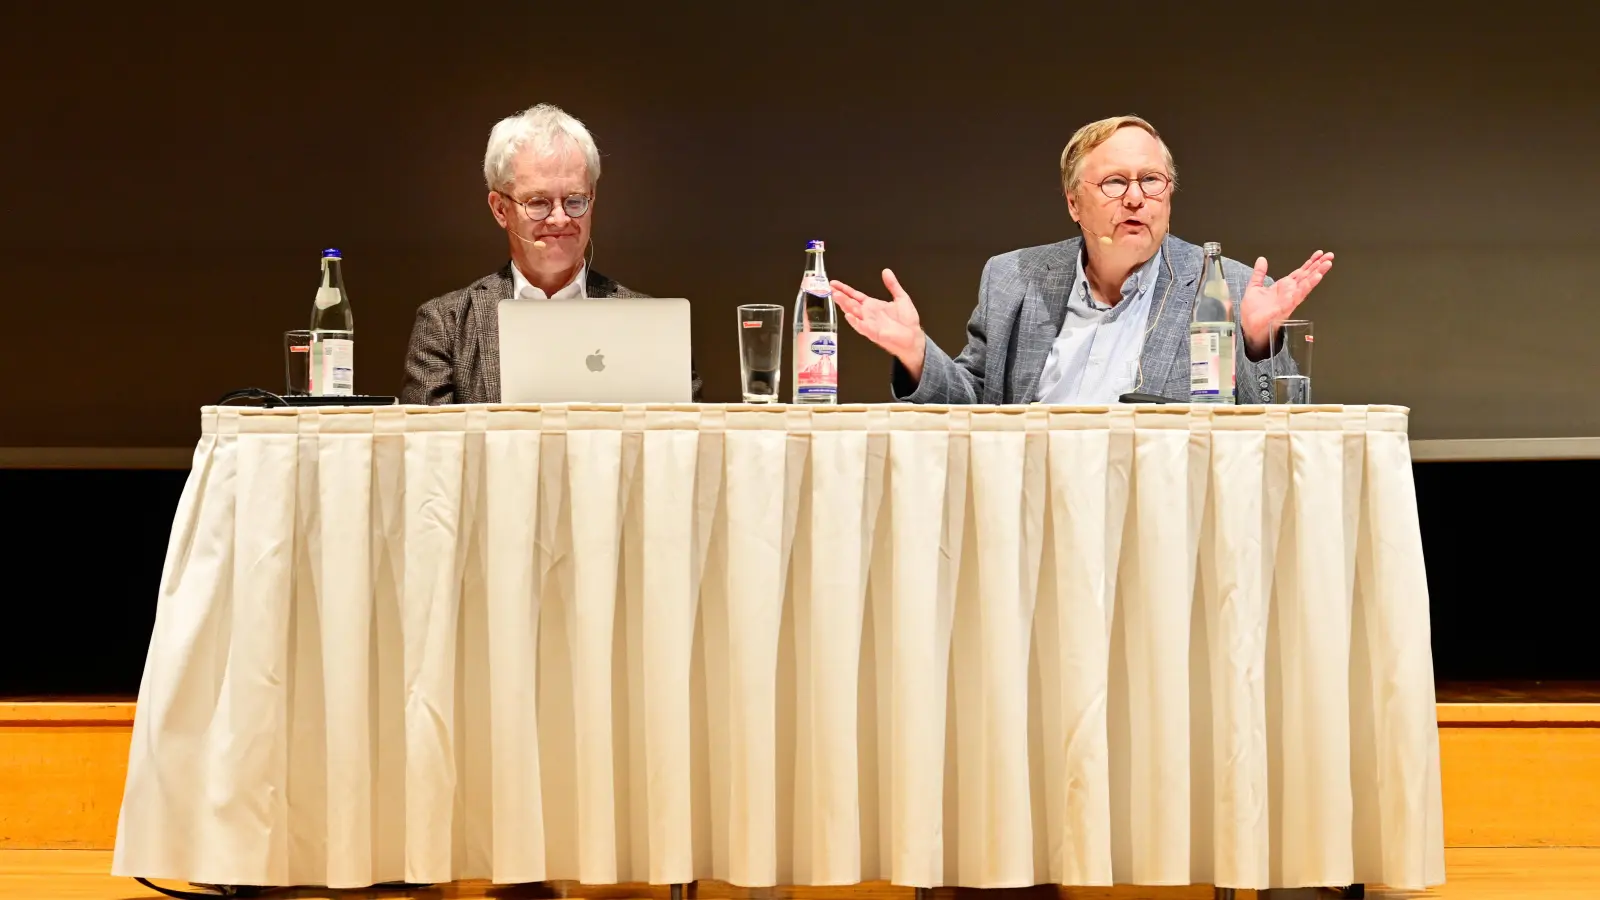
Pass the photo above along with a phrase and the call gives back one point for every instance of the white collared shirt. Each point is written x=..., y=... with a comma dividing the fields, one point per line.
x=523, y=289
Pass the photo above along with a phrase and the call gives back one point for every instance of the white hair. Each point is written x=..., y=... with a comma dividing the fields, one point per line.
x=545, y=129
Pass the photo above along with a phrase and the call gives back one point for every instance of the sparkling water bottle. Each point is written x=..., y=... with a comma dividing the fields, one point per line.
x=816, y=334
x=333, y=330
x=1211, y=330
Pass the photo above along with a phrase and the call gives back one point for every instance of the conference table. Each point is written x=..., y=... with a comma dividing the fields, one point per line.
x=973, y=646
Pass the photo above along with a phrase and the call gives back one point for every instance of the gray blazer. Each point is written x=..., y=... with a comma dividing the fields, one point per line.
x=1022, y=301
x=454, y=355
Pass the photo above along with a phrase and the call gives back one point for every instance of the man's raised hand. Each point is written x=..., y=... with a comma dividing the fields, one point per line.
x=892, y=324
x=1263, y=308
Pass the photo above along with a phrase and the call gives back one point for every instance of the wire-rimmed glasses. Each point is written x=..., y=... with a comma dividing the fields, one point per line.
x=1151, y=184
x=539, y=208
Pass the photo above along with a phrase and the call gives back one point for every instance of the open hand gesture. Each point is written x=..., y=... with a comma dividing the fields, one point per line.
x=1264, y=308
x=892, y=324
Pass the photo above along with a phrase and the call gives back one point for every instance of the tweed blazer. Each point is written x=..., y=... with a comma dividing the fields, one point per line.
x=454, y=355
x=1022, y=302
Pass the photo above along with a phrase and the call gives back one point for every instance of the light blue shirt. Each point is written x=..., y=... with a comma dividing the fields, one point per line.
x=1095, y=358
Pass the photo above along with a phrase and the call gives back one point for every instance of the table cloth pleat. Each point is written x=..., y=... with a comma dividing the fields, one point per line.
x=976, y=646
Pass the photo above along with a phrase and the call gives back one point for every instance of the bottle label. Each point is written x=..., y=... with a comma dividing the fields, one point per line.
x=815, y=285
x=816, y=360
x=333, y=367
x=327, y=297
x=1203, y=364
x=1211, y=363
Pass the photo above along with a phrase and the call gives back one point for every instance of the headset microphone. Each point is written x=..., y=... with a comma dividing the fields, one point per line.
x=1104, y=239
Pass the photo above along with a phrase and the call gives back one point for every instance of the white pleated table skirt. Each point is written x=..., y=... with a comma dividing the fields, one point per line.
x=982, y=646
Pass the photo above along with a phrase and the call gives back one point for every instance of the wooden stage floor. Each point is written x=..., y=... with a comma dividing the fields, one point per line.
x=1475, y=873
x=1521, y=779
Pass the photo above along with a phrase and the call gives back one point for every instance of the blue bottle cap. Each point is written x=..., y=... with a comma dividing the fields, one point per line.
x=331, y=253
x=814, y=245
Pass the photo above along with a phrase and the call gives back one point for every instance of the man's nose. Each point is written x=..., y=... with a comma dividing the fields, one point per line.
x=1134, y=198
x=558, y=217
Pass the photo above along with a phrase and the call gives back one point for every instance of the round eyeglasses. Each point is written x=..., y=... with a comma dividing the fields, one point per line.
x=539, y=208
x=1152, y=184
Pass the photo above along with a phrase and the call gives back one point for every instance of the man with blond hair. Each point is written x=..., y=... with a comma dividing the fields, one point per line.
x=542, y=169
x=1091, y=318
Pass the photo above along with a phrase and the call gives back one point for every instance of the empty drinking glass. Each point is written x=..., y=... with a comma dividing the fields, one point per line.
x=1292, y=384
x=760, y=351
x=297, y=362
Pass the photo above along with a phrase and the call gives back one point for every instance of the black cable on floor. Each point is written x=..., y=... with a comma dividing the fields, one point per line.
x=226, y=890
x=245, y=891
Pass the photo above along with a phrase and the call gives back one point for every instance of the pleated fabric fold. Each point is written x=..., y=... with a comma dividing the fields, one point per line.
x=986, y=647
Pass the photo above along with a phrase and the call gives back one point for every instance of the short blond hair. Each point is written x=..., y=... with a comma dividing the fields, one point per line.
x=1094, y=134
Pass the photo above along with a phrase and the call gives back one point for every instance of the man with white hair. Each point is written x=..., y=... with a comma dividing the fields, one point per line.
x=1091, y=318
x=541, y=168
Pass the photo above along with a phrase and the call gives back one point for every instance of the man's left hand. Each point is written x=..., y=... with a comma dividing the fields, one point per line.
x=1264, y=308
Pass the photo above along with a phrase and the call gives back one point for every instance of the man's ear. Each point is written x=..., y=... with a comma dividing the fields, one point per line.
x=494, y=208
x=1072, y=203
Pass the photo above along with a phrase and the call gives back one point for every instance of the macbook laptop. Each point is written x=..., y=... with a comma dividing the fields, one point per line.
x=601, y=350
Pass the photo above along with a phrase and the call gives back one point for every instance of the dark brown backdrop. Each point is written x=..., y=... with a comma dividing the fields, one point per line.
x=171, y=176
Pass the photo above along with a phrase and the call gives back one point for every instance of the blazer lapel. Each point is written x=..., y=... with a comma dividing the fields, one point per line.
x=1170, y=311
x=597, y=286
x=1044, y=309
x=486, y=319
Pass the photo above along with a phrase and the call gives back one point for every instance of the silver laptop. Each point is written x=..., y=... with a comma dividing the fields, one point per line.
x=601, y=350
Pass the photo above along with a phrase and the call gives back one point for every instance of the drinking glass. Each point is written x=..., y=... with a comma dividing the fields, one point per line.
x=297, y=362
x=1293, y=385
x=760, y=351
